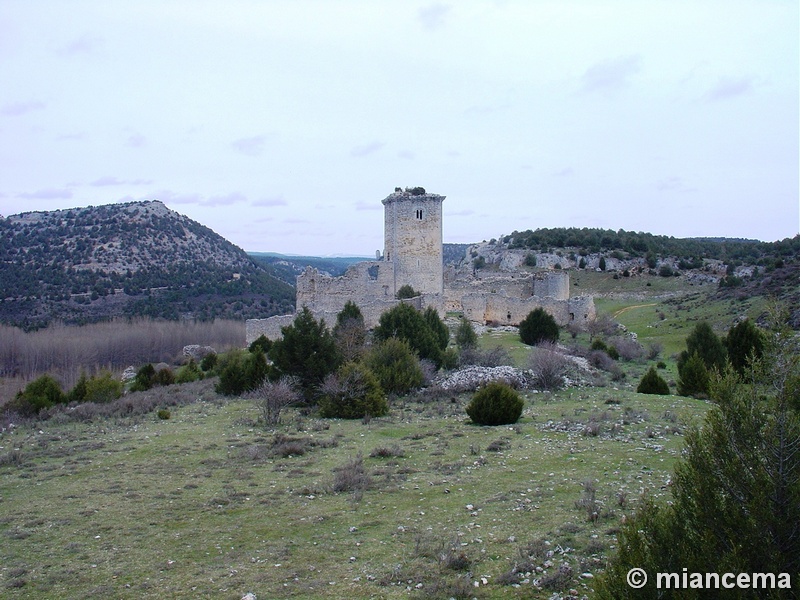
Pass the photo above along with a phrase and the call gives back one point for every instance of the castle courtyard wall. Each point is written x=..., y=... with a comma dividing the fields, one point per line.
x=498, y=309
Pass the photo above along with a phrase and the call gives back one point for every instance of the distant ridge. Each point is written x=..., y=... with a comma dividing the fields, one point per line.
x=137, y=258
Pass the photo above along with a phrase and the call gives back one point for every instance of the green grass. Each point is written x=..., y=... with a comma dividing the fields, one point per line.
x=210, y=504
x=195, y=506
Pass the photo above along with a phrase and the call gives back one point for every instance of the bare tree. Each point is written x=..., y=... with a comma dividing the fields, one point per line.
x=549, y=366
x=602, y=324
x=273, y=396
x=350, y=338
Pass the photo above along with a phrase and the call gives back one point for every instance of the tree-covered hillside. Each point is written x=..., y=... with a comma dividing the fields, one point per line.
x=637, y=244
x=140, y=258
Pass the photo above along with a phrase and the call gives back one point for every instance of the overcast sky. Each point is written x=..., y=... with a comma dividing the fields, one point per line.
x=283, y=124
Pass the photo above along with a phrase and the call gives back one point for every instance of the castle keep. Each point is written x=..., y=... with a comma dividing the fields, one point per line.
x=413, y=256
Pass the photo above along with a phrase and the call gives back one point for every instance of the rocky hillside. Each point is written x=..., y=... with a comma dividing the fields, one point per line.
x=738, y=268
x=139, y=258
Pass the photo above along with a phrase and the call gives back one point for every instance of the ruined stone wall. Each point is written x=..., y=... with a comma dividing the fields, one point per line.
x=504, y=310
x=413, y=240
x=369, y=284
x=552, y=284
x=269, y=327
x=456, y=289
x=413, y=256
x=582, y=309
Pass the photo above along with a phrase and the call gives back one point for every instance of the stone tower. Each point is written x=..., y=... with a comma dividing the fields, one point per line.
x=413, y=239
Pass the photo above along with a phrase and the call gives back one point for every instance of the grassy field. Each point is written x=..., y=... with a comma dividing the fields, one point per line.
x=210, y=504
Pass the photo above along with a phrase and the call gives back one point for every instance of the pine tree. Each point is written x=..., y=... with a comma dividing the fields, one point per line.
x=736, y=493
x=465, y=335
x=745, y=343
x=406, y=323
x=707, y=345
x=307, y=352
x=693, y=377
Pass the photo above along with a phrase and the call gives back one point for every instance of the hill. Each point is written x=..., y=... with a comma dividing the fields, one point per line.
x=135, y=259
x=729, y=269
x=288, y=267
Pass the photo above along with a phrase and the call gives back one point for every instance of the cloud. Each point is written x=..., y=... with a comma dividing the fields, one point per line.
x=610, y=74
x=114, y=181
x=274, y=201
x=103, y=181
x=86, y=44
x=47, y=194
x=407, y=154
x=433, y=16
x=137, y=140
x=71, y=136
x=565, y=172
x=361, y=205
x=169, y=197
x=250, y=146
x=15, y=109
x=367, y=149
x=674, y=184
x=730, y=88
x=225, y=200
x=460, y=213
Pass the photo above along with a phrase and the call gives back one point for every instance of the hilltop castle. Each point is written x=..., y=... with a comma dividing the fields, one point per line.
x=413, y=256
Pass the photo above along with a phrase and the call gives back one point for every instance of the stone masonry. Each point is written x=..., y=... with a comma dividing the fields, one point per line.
x=413, y=256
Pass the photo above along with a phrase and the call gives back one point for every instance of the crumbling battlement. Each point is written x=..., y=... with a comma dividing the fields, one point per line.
x=413, y=256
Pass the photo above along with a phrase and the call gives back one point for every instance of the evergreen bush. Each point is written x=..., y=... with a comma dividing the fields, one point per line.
x=103, y=387
x=353, y=392
x=495, y=404
x=745, y=344
x=653, y=383
x=39, y=394
x=538, y=326
x=241, y=371
x=406, y=323
x=306, y=352
x=395, y=365
x=406, y=291
x=189, y=372
x=465, y=335
x=693, y=377
x=144, y=378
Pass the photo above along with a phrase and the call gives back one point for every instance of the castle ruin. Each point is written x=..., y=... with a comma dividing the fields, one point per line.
x=413, y=256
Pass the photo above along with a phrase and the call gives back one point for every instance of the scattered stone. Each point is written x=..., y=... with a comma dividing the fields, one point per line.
x=472, y=377
x=197, y=352
x=128, y=374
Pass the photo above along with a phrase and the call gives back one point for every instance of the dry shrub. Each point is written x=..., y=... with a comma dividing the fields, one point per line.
x=628, y=348
x=351, y=477
x=599, y=359
x=134, y=404
x=588, y=501
x=558, y=580
x=393, y=452
x=549, y=367
x=273, y=396
x=493, y=357
x=602, y=324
